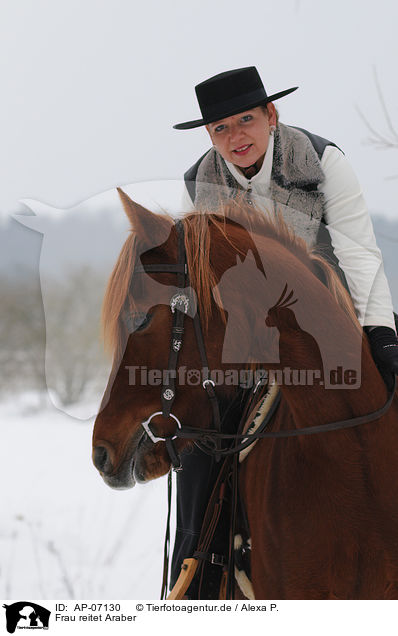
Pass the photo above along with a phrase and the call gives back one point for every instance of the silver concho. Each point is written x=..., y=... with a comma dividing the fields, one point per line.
x=179, y=301
x=176, y=345
x=168, y=394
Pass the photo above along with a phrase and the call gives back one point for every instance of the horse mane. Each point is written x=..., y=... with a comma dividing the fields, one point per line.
x=197, y=245
x=118, y=300
x=203, y=279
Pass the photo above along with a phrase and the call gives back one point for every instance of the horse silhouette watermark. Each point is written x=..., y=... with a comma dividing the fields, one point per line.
x=26, y=615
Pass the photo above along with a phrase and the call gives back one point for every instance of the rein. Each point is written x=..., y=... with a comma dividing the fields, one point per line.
x=197, y=433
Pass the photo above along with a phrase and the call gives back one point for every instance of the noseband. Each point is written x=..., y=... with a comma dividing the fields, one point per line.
x=209, y=440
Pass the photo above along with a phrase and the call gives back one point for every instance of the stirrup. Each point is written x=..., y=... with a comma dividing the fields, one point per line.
x=188, y=569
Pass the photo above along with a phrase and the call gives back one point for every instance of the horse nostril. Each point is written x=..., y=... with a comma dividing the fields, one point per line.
x=101, y=460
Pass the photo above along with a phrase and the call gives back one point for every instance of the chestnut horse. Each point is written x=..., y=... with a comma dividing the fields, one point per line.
x=322, y=508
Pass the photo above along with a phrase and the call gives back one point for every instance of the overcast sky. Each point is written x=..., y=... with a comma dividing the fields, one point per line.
x=90, y=88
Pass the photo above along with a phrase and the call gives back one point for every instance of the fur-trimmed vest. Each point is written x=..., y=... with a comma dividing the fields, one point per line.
x=296, y=174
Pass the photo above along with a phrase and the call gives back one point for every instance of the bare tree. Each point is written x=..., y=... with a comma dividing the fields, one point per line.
x=380, y=140
x=75, y=362
x=66, y=335
x=22, y=336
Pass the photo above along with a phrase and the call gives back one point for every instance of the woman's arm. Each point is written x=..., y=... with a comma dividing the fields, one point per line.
x=353, y=240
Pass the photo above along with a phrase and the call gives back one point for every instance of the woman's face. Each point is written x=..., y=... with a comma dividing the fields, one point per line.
x=243, y=139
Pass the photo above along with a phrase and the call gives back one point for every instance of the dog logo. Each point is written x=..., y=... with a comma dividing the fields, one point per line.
x=26, y=615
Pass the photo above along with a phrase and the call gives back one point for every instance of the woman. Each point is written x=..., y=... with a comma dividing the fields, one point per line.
x=310, y=179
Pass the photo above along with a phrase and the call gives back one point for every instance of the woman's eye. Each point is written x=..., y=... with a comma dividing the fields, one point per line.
x=219, y=128
x=247, y=117
x=137, y=321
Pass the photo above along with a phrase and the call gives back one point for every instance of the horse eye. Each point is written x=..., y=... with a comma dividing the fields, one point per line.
x=137, y=321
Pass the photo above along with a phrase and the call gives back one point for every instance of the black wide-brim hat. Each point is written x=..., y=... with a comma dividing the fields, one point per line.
x=230, y=93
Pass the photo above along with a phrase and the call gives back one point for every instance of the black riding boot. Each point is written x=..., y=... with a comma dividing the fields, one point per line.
x=194, y=486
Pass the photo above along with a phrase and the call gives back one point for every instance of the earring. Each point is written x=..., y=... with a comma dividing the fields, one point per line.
x=272, y=129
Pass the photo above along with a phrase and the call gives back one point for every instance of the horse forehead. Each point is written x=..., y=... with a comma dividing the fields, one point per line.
x=152, y=292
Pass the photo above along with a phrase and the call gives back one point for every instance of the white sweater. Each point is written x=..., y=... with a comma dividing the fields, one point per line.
x=350, y=228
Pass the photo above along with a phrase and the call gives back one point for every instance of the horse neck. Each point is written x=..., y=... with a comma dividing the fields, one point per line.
x=316, y=317
x=315, y=323
x=314, y=403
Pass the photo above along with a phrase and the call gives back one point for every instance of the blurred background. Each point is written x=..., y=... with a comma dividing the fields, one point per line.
x=90, y=92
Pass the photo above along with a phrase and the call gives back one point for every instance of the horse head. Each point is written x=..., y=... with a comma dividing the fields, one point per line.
x=138, y=320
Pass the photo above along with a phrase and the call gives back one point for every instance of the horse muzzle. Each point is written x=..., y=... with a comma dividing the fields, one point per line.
x=121, y=478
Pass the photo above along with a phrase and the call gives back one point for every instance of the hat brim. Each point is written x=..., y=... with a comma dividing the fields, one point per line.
x=202, y=122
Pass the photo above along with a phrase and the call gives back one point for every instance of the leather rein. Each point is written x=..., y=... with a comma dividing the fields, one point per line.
x=209, y=440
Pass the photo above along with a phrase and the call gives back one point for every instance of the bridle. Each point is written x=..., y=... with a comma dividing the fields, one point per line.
x=209, y=440
x=179, y=305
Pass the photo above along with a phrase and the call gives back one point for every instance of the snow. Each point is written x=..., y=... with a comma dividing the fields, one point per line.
x=63, y=532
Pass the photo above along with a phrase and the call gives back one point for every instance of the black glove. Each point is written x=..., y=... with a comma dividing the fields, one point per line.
x=384, y=346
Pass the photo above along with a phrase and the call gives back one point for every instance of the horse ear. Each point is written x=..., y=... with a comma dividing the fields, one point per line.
x=152, y=228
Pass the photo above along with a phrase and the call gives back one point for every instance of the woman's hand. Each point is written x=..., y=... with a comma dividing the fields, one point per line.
x=384, y=345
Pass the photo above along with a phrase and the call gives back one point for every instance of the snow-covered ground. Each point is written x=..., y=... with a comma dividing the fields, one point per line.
x=63, y=532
